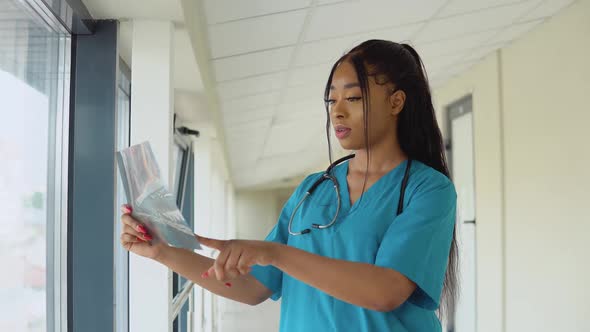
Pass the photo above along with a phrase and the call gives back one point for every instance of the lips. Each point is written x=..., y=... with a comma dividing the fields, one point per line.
x=342, y=131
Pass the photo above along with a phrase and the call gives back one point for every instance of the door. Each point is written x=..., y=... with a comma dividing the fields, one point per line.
x=462, y=169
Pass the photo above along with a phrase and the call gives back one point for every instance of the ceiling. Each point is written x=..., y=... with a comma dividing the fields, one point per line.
x=269, y=60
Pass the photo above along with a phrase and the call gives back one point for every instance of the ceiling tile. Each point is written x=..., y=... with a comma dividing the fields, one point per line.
x=455, y=7
x=313, y=112
x=244, y=66
x=242, y=118
x=453, y=46
x=331, y=21
x=250, y=103
x=236, y=37
x=249, y=86
x=330, y=50
x=285, y=139
x=304, y=75
x=546, y=9
x=229, y=10
x=313, y=91
x=489, y=19
x=248, y=130
x=482, y=51
x=513, y=32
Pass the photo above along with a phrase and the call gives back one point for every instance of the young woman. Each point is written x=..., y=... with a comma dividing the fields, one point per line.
x=367, y=245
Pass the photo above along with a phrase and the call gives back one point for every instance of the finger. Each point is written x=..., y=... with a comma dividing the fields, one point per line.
x=128, y=241
x=219, y=265
x=211, y=243
x=136, y=225
x=144, y=236
x=244, y=265
x=126, y=209
x=128, y=238
x=231, y=265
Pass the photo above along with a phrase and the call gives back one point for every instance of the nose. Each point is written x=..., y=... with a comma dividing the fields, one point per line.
x=338, y=110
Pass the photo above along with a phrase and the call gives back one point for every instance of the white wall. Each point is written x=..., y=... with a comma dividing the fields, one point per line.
x=532, y=165
x=256, y=213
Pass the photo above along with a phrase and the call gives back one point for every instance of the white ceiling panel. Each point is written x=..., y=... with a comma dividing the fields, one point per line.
x=513, y=32
x=454, y=45
x=241, y=118
x=547, y=8
x=312, y=91
x=312, y=112
x=455, y=7
x=250, y=103
x=250, y=130
x=248, y=65
x=480, y=52
x=490, y=19
x=330, y=50
x=304, y=75
x=270, y=79
x=235, y=37
x=219, y=11
x=287, y=138
x=249, y=86
x=332, y=21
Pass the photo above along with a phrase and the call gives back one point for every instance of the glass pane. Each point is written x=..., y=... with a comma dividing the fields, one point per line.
x=31, y=76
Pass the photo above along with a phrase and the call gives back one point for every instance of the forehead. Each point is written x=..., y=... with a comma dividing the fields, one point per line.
x=344, y=73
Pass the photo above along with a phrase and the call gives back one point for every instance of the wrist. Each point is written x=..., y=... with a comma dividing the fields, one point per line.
x=277, y=253
x=162, y=253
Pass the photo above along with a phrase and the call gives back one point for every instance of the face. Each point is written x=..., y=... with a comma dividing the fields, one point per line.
x=346, y=109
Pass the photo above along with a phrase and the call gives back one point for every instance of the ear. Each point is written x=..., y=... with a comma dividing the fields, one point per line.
x=397, y=101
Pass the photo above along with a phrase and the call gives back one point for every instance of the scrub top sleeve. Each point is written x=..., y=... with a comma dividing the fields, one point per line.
x=418, y=241
x=270, y=276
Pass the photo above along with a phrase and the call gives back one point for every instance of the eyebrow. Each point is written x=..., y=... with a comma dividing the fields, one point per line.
x=348, y=85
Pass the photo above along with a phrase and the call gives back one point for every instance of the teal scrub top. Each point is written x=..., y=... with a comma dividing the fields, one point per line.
x=416, y=243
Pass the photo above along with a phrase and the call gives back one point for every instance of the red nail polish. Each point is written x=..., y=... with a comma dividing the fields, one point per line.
x=141, y=229
x=227, y=284
x=148, y=237
x=205, y=274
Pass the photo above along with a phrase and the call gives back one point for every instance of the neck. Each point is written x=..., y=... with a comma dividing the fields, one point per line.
x=384, y=156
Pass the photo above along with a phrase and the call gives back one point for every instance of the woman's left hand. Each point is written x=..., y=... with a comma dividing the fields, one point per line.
x=236, y=257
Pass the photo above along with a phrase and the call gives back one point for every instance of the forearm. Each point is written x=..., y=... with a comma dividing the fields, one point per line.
x=361, y=284
x=190, y=265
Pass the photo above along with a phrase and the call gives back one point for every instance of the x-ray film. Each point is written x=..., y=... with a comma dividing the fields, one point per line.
x=152, y=203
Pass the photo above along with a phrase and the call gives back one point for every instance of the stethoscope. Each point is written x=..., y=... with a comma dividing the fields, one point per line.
x=328, y=176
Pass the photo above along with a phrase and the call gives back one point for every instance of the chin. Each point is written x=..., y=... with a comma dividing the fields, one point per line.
x=349, y=146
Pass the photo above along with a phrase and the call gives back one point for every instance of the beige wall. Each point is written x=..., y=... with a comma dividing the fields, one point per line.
x=256, y=213
x=532, y=176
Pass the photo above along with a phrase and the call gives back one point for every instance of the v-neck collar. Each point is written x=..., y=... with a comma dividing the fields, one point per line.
x=342, y=174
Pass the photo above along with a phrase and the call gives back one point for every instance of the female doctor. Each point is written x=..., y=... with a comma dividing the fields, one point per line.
x=367, y=245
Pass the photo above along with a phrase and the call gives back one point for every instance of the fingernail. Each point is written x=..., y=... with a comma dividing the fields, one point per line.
x=227, y=284
x=147, y=237
x=127, y=208
x=205, y=274
x=141, y=229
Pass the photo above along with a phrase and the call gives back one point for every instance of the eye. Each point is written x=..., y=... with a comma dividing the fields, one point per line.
x=329, y=101
x=353, y=99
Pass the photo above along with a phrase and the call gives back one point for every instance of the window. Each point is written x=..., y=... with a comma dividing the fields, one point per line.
x=183, y=177
x=34, y=82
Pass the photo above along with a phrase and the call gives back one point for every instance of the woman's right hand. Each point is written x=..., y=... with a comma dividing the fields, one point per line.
x=135, y=237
